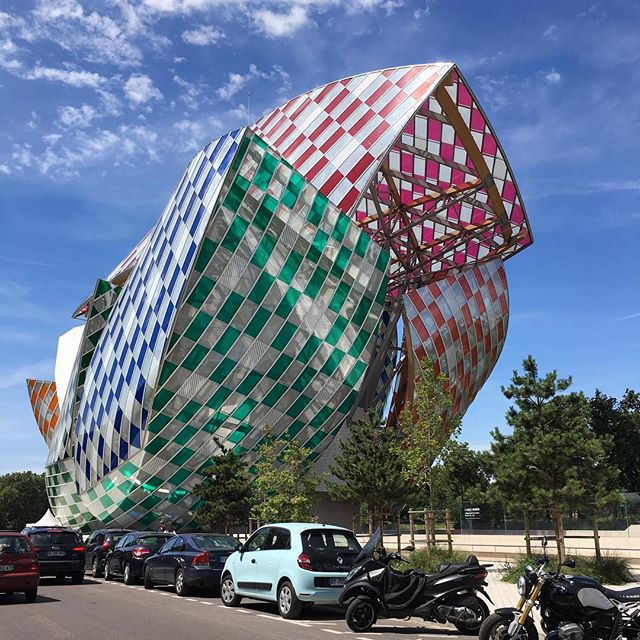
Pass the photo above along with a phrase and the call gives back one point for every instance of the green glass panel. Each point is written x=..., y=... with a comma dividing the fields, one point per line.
x=182, y=456
x=320, y=240
x=339, y=297
x=321, y=417
x=382, y=261
x=156, y=444
x=207, y=249
x=167, y=369
x=195, y=357
x=148, y=518
x=314, y=254
x=288, y=302
x=363, y=244
x=236, y=193
x=296, y=182
x=362, y=310
x=200, y=292
x=106, y=501
x=261, y=287
x=218, y=398
x=198, y=326
x=230, y=306
x=260, y=142
x=162, y=397
x=284, y=336
x=185, y=435
x=260, y=318
x=315, y=440
x=382, y=292
x=215, y=422
x=304, y=379
x=151, y=501
x=355, y=373
x=344, y=257
x=332, y=362
x=342, y=224
x=265, y=171
x=223, y=370
x=359, y=343
x=226, y=340
x=174, y=338
x=263, y=250
x=126, y=504
x=177, y=495
x=337, y=330
x=128, y=468
x=235, y=234
x=316, y=282
x=318, y=208
x=306, y=353
x=290, y=267
x=295, y=428
x=247, y=385
x=158, y=423
x=237, y=160
x=279, y=366
x=275, y=393
x=299, y=405
x=347, y=403
x=179, y=476
x=244, y=409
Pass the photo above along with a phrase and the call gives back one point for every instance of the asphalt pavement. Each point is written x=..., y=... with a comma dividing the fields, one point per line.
x=98, y=610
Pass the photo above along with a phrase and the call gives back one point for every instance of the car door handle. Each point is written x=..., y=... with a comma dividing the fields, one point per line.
x=253, y=560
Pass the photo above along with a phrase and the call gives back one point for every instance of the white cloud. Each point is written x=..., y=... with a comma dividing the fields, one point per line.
x=203, y=35
x=78, y=79
x=4, y=169
x=139, y=89
x=553, y=77
x=42, y=369
x=79, y=117
x=52, y=138
x=276, y=25
x=631, y=316
x=237, y=81
x=550, y=31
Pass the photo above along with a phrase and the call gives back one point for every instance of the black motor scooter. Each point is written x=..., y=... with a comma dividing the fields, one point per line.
x=374, y=588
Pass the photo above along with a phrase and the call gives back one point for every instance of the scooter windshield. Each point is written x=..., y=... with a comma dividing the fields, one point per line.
x=369, y=548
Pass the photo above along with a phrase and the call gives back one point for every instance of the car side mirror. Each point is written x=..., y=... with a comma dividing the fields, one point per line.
x=569, y=563
x=239, y=547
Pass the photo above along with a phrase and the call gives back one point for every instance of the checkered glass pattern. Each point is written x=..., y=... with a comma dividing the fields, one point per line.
x=123, y=371
x=44, y=402
x=460, y=324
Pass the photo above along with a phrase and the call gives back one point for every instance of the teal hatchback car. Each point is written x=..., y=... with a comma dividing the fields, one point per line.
x=290, y=563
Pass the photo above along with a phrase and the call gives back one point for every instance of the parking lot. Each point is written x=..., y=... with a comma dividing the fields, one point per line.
x=113, y=611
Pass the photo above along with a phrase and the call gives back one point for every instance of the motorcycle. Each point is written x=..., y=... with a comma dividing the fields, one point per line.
x=571, y=607
x=374, y=588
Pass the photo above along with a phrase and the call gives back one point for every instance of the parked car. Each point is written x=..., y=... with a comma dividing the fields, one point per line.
x=59, y=550
x=100, y=542
x=193, y=560
x=18, y=565
x=290, y=564
x=127, y=558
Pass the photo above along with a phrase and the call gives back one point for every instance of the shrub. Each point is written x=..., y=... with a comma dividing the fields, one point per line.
x=430, y=560
x=609, y=569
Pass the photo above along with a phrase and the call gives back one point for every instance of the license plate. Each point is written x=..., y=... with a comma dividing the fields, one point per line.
x=336, y=582
x=7, y=567
x=55, y=554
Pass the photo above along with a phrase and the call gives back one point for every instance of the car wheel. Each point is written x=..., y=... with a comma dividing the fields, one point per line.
x=107, y=571
x=95, y=568
x=362, y=614
x=289, y=606
x=228, y=593
x=31, y=594
x=182, y=588
x=148, y=584
x=128, y=577
x=77, y=578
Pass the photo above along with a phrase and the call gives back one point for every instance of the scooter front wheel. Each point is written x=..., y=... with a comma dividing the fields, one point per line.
x=362, y=614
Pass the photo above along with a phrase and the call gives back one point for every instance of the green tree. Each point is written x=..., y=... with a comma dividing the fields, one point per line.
x=427, y=427
x=369, y=469
x=23, y=498
x=620, y=420
x=552, y=458
x=285, y=488
x=225, y=493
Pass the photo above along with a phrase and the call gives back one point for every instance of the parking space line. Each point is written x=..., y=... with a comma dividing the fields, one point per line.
x=338, y=633
x=192, y=600
x=300, y=624
x=266, y=615
x=243, y=611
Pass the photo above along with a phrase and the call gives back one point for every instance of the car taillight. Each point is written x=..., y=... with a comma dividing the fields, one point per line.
x=304, y=561
x=34, y=549
x=104, y=546
x=79, y=548
x=480, y=575
x=138, y=552
x=201, y=559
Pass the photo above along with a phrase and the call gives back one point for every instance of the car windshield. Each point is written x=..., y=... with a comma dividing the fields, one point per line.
x=12, y=544
x=54, y=537
x=215, y=542
x=153, y=541
x=330, y=539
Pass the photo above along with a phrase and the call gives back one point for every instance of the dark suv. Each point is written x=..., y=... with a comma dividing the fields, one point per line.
x=128, y=556
x=60, y=552
x=100, y=542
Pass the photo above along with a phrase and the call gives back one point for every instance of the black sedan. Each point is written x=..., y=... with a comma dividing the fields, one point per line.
x=190, y=560
x=98, y=545
x=128, y=556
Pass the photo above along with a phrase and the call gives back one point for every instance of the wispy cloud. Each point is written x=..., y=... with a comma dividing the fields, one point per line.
x=17, y=375
x=203, y=36
x=140, y=90
x=631, y=316
x=238, y=81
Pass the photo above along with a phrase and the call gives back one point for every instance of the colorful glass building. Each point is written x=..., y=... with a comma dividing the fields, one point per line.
x=301, y=269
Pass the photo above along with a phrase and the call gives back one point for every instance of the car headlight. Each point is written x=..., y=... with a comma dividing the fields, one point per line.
x=522, y=586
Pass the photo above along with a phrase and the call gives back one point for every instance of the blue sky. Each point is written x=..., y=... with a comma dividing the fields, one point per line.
x=102, y=104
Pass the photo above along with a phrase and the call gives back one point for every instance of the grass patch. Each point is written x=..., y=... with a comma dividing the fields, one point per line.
x=430, y=560
x=609, y=569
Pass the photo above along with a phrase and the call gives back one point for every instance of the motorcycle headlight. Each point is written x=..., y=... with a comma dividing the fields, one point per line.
x=522, y=586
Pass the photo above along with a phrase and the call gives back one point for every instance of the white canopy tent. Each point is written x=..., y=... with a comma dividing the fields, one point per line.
x=47, y=520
